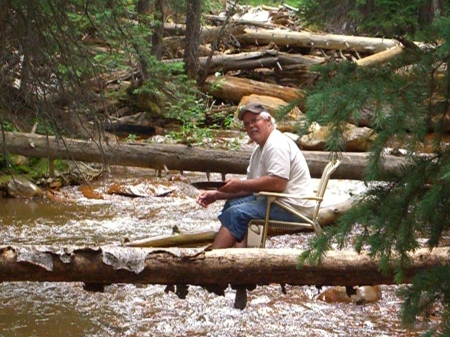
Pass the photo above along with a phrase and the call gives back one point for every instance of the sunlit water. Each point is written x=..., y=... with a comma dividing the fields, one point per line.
x=65, y=309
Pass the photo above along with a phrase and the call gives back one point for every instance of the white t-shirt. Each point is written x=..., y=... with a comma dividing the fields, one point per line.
x=281, y=157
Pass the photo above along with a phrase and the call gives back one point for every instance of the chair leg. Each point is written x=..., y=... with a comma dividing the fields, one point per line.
x=317, y=227
x=266, y=224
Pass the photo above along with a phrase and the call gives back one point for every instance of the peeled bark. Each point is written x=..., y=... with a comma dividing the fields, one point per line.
x=113, y=264
x=381, y=57
x=234, y=88
x=175, y=157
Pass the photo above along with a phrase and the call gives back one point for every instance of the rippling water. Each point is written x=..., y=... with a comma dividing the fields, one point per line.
x=65, y=309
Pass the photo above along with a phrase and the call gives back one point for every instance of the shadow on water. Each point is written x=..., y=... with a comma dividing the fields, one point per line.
x=65, y=309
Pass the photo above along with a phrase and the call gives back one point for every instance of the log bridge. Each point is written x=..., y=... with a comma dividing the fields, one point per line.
x=200, y=266
x=175, y=157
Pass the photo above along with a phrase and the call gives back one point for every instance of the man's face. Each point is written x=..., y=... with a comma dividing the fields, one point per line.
x=258, y=129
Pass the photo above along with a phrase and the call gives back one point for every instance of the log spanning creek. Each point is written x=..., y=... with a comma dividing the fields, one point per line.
x=135, y=204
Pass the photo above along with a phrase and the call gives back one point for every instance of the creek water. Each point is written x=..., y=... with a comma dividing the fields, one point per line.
x=65, y=309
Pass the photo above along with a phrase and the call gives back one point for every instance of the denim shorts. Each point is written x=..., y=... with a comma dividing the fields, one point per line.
x=237, y=213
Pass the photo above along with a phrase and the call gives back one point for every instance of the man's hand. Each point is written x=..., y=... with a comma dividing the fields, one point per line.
x=233, y=185
x=206, y=197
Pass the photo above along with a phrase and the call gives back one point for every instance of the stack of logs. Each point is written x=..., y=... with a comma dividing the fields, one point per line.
x=264, y=55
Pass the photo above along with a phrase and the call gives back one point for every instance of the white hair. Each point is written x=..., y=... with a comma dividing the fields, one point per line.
x=265, y=115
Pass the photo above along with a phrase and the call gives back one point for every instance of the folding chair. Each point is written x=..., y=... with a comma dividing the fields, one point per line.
x=258, y=228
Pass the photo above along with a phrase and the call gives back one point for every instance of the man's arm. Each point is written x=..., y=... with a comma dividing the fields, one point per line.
x=248, y=186
x=235, y=188
x=207, y=197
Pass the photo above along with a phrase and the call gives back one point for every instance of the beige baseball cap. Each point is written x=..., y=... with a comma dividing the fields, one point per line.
x=255, y=108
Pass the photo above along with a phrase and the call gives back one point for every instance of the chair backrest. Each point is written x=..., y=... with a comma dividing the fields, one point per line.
x=326, y=174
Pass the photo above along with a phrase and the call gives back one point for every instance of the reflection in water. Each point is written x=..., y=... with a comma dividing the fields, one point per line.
x=65, y=309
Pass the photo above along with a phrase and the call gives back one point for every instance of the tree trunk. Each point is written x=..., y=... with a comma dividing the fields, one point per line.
x=114, y=264
x=204, y=71
x=143, y=8
x=427, y=12
x=175, y=157
x=158, y=30
x=311, y=40
x=193, y=15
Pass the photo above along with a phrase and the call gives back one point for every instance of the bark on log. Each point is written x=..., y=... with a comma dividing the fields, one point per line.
x=216, y=19
x=311, y=40
x=254, y=60
x=234, y=88
x=293, y=75
x=175, y=157
x=172, y=29
x=113, y=264
x=207, y=35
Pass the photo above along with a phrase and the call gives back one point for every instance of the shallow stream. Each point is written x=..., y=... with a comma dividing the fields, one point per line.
x=65, y=309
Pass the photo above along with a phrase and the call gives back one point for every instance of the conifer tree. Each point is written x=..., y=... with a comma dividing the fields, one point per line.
x=409, y=101
x=56, y=55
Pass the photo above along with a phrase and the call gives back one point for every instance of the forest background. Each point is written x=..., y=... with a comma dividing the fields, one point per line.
x=56, y=55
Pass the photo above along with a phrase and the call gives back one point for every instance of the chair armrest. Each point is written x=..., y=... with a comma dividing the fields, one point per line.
x=285, y=195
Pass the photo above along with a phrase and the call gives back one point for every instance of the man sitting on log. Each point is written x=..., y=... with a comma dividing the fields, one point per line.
x=276, y=165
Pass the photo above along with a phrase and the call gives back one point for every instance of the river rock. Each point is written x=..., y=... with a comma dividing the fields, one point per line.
x=357, y=139
x=21, y=187
x=361, y=295
x=18, y=160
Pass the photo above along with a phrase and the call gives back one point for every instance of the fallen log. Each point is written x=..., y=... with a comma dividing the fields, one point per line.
x=292, y=75
x=115, y=264
x=253, y=60
x=234, y=88
x=182, y=239
x=311, y=40
x=207, y=35
x=219, y=20
x=381, y=57
x=175, y=157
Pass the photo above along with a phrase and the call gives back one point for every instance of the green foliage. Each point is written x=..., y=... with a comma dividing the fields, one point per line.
x=7, y=126
x=45, y=126
x=34, y=168
x=408, y=99
x=190, y=112
x=385, y=18
x=40, y=167
x=228, y=122
x=427, y=289
x=327, y=14
x=131, y=138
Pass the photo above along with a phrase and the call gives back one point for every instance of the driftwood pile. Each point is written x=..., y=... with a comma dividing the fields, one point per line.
x=265, y=55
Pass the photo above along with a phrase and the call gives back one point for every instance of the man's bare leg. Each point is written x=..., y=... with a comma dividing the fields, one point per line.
x=224, y=239
x=242, y=244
